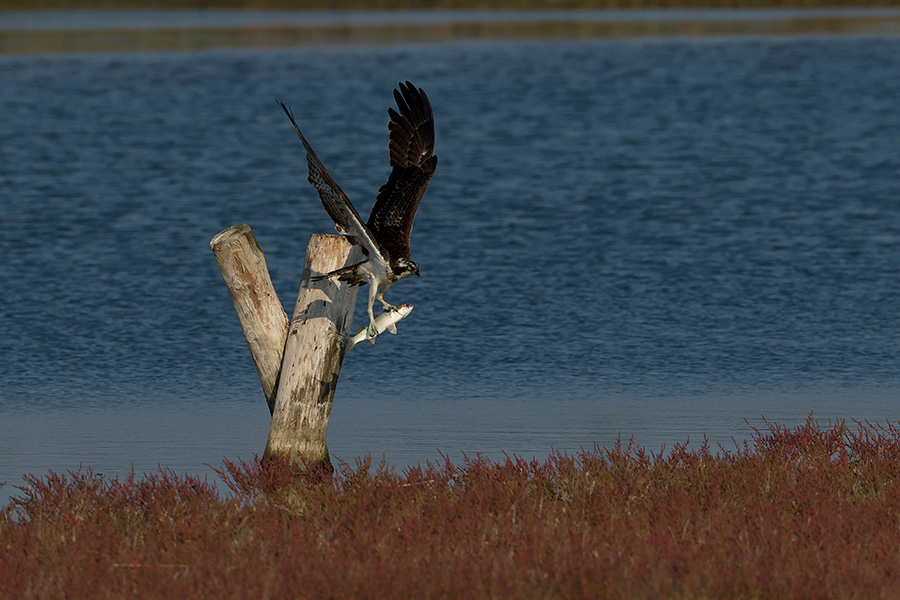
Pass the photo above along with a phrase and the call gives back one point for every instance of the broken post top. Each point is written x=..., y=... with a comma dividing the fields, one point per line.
x=233, y=234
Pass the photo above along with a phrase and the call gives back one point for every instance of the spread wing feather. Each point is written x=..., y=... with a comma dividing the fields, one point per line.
x=347, y=221
x=411, y=146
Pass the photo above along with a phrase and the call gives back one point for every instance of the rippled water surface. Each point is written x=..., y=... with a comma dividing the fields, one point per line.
x=653, y=238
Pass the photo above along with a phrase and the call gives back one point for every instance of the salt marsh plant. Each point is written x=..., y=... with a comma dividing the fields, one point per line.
x=811, y=511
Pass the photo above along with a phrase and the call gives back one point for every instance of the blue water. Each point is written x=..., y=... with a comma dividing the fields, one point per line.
x=649, y=238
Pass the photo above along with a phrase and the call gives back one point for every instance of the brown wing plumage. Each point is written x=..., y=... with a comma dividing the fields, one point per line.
x=411, y=146
x=335, y=201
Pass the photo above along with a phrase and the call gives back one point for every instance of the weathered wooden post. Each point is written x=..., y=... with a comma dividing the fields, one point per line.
x=263, y=319
x=313, y=354
x=298, y=362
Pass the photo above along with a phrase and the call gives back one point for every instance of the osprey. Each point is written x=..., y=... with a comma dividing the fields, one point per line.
x=384, y=239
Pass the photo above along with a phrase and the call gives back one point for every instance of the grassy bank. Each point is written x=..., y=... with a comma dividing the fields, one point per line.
x=432, y=4
x=811, y=512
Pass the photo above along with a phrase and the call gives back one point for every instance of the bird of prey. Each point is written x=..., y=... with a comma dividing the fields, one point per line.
x=384, y=238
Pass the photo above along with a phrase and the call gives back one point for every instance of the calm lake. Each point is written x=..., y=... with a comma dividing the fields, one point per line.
x=661, y=239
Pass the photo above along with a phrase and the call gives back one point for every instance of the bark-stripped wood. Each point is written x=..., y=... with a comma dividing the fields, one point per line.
x=263, y=319
x=316, y=343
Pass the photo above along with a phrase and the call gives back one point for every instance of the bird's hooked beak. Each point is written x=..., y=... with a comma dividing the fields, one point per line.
x=417, y=271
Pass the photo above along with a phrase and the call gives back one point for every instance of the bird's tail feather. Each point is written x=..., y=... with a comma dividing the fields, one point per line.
x=348, y=273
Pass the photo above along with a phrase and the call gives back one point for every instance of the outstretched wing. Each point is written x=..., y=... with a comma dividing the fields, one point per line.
x=411, y=146
x=347, y=221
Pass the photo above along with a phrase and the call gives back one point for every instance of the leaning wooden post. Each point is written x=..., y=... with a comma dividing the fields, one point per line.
x=313, y=354
x=262, y=318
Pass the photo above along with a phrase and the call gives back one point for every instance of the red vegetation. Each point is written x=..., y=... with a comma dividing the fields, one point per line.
x=811, y=512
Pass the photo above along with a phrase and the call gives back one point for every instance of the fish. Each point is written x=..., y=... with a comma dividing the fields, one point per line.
x=386, y=321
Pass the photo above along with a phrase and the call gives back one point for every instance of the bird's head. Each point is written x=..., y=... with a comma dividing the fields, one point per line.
x=405, y=268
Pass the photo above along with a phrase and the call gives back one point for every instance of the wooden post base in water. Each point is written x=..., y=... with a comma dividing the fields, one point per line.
x=308, y=352
x=313, y=354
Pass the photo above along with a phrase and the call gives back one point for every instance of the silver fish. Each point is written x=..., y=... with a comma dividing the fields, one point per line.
x=386, y=321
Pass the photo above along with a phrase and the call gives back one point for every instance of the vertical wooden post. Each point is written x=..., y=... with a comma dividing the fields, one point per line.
x=263, y=319
x=313, y=354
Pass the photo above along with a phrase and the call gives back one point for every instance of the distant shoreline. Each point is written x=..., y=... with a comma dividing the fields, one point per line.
x=64, y=31
x=159, y=19
x=427, y=5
